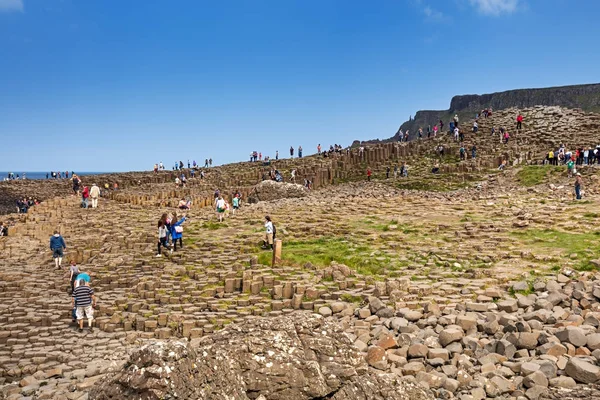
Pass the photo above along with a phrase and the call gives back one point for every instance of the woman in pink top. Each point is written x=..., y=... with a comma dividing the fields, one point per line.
x=435, y=129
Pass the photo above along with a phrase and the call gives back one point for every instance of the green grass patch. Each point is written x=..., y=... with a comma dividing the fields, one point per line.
x=532, y=175
x=585, y=245
x=321, y=252
x=213, y=225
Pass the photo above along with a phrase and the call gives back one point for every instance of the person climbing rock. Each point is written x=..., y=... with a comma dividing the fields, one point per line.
x=84, y=301
x=57, y=245
x=73, y=273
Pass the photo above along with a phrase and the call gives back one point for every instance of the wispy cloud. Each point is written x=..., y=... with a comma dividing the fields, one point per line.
x=11, y=5
x=496, y=7
x=431, y=13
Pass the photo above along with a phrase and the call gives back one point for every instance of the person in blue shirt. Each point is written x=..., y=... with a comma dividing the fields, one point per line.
x=176, y=231
x=57, y=245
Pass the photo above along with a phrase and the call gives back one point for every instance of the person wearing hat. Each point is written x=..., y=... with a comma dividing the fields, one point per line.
x=94, y=194
x=578, y=182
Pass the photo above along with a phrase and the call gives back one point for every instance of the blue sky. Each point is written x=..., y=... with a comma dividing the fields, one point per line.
x=112, y=85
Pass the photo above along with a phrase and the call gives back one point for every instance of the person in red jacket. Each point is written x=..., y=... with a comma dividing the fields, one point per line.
x=85, y=194
x=369, y=173
x=519, y=121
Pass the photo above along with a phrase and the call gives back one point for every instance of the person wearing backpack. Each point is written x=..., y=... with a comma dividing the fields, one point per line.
x=176, y=231
x=270, y=233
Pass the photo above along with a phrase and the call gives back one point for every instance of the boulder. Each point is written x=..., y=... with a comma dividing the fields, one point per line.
x=582, y=371
x=301, y=357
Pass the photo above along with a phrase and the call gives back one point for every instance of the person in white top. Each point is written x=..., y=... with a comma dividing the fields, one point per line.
x=268, y=242
x=293, y=176
x=94, y=194
x=220, y=207
x=456, y=131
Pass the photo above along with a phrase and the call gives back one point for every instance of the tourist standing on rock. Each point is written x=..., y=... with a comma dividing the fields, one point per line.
x=76, y=183
x=506, y=137
x=387, y=172
x=270, y=233
x=176, y=232
x=85, y=194
x=456, y=133
x=84, y=301
x=94, y=194
x=404, y=169
x=161, y=166
x=293, y=177
x=163, y=236
x=570, y=168
x=519, y=121
x=586, y=156
x=235, y=203
x=369, y=173
x=206, y=162
x=180, y=164
x=57, y=245
x=435, y=130
x=210, y=162
x=441, y=126
x=473, y=151
x=299, y=151
x=395, y=171
x=291, y=151
x=319, y=148
x=220, y=207
x=420, y=133
x=455, y=119
x=578, y=183
x=462, y=153
x=428, y=131
x=276, y=154
x=475, y=127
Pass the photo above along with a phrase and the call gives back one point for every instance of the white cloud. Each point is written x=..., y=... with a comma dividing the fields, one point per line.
x=431, y=13
x=11, y=5
x=495, y=7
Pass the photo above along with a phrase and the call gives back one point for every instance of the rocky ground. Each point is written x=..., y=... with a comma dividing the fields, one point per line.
x=490, y=291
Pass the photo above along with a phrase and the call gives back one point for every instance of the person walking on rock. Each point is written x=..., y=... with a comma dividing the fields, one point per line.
x=85, y=194
x=578, y=183
x=269, y=236
x=176, y=231
x=220, y=207
x=163, y=236
x=519, y=121
x=57, y=245
x=94, y=194
x=73, y=273
x=76, y=183
x=84, y=301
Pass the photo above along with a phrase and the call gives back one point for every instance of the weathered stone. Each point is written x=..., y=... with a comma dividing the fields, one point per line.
x=582, y=371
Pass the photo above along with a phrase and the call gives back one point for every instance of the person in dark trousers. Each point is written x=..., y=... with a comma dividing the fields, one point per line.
x=57, y=245
x=176, y=231
x=369, y=173
x=519, y=121
x=578, y=182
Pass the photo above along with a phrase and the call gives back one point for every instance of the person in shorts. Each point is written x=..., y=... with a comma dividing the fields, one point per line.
x=57, y=245
x=84, y=302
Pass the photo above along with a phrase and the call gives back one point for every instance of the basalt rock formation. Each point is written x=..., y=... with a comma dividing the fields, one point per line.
x=291, y=358
x=584, y=97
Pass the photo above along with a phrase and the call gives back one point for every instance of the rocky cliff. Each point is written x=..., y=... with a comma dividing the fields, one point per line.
x=586, y=97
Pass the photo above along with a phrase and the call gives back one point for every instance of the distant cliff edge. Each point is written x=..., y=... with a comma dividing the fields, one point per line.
x=586, y=97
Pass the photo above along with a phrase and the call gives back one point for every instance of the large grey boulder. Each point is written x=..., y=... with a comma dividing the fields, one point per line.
x=303, y=356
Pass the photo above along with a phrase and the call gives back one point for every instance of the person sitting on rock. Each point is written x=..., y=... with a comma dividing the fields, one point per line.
x=184, y=205
x=435, y=169
x=502, y=165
